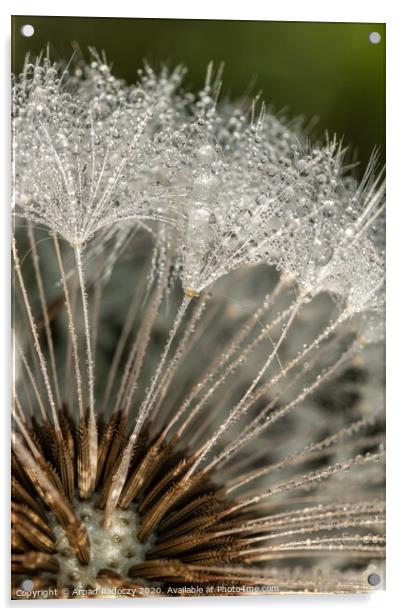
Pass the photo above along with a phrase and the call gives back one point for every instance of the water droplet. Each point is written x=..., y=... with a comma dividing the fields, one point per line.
x=322, y=252
x=244, y=216
x=261, y=199
x=205, y=154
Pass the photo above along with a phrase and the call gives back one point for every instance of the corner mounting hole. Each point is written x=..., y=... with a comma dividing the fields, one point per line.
x=27, y=30
x=374, y=579
x=27, y=585
x=374, y=38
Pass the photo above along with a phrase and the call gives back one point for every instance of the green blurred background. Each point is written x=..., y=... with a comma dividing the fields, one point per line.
x=329, y=71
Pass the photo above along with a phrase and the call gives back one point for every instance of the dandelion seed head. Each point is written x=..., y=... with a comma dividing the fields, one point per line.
x=229, y=307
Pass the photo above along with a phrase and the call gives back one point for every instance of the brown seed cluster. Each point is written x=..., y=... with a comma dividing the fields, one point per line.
x=200, y=536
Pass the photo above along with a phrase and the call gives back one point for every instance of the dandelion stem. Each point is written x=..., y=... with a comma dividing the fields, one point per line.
x=121, y=473
x=169, y=373
x=304, y=454
x=150, y=396
x=46, y=322
x=138, y=349
x=71, y=327
x=35, y=336
x=92, y=432
x=128, y=323
x=311, y=478
x=32, y=380
x=256, y=426
x=68, y=390
x=224, y=358
x=96, y=313
x=238, y=409
x=270, y=419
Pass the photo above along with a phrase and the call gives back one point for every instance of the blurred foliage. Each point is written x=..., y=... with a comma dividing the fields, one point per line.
x=328, y=71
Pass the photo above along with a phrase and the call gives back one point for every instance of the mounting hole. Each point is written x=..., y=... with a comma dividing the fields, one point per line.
x=374, y=38
x=374, y=579
x=27, y=30
x=27, y=585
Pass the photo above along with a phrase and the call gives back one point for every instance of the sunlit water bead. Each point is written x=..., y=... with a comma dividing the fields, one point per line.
x=160, y=90
x=302, y=255
x=205, y=154
x=311, y=230
x=221, y=230
x=24, y=199
x=372, y=329
x=102, y=90
x=199, y=246
x=244, y=215
x=322, y=251
x=356, y=275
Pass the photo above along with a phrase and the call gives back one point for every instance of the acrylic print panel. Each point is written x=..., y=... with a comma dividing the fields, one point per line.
x=198, y=255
